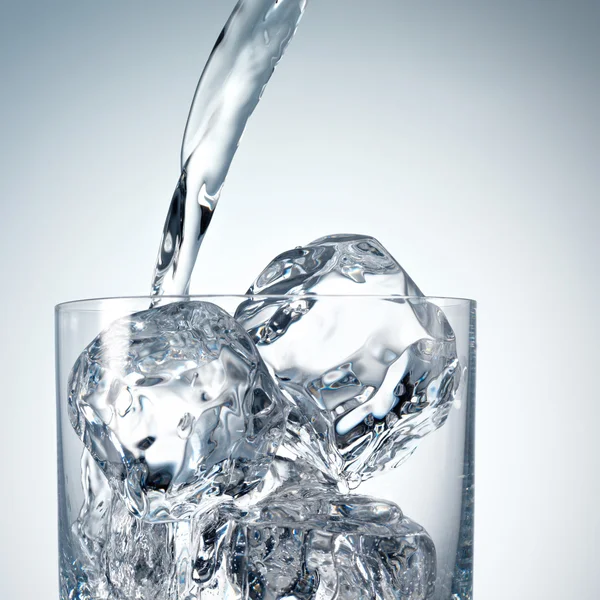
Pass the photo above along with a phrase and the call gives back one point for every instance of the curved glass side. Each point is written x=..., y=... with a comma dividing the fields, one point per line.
x=266, y=447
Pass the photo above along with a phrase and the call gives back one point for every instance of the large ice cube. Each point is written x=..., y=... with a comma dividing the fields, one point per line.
x=366, y=376
x=333, y=547
x=177, y=408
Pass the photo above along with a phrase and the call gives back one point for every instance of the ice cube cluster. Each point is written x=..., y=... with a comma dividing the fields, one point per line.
x=220, y=450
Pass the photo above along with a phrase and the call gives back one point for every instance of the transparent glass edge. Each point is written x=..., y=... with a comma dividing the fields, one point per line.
x=87, y=304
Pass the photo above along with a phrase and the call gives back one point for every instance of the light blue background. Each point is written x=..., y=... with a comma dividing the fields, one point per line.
x=464, y=135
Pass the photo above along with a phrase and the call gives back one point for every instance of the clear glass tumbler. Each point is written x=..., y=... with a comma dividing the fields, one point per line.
x=311, y=447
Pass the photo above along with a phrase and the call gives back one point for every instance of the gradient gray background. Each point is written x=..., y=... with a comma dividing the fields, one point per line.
x=464, y=135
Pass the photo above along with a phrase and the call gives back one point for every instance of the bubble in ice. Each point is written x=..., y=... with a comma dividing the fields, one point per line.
x=333, y=547
x=177, y=408
x=366, y=378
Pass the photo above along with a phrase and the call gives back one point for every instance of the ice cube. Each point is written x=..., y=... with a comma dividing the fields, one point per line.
x=295, y=478
x=116, y=556
x=300, y=542
x=215, y=559
x=366, y=377
x=137, y=557
x=333, y=548
x=177, y=408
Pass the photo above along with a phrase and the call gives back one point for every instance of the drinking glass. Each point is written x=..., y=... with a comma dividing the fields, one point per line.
x=433, y=485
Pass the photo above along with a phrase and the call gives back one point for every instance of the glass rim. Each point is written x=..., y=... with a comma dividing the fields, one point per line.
x=87, y=304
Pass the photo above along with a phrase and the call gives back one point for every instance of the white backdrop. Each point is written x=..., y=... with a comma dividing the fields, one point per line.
x=463, y=135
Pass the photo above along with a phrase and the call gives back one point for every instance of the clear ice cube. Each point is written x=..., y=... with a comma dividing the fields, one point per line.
x=366, y=377
x=116, y=556
x=177, y=408
x=333, y=547
x=137, y=557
